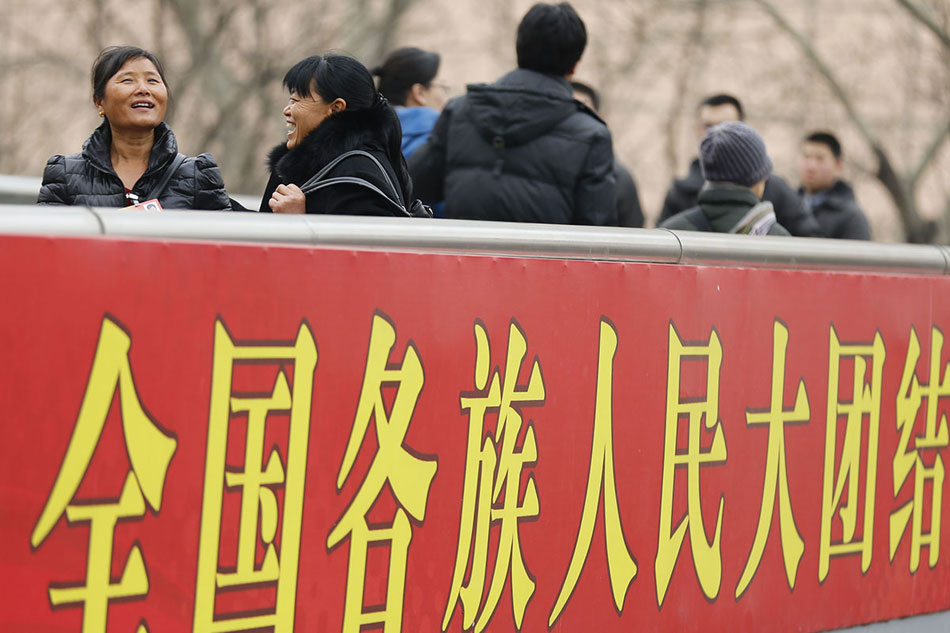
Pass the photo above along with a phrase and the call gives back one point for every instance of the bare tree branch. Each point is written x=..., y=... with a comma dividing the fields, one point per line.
x=927, y=21
x=823, y=69
x=938, y=140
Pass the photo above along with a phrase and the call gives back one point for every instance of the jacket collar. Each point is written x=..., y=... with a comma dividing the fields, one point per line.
x=97, y=148
x=339, y=133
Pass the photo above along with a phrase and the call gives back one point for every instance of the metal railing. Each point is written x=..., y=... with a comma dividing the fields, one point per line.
x=487, y=238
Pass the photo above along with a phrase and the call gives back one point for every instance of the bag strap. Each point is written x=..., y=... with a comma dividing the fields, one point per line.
x=162, y=184
x=352, y=180
x=356, y=152
x=318, y=182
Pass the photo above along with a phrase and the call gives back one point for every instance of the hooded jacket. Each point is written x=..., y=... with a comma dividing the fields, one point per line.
x=789, y=209
x=838, y=213
x=521, y=149
x=88, y=178
x=349, y=130
x=724, y=206
x=417, y=122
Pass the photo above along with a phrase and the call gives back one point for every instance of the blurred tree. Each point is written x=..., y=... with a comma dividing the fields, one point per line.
x=901, y=183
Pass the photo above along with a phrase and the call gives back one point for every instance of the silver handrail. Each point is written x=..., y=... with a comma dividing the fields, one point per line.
x=482, y=238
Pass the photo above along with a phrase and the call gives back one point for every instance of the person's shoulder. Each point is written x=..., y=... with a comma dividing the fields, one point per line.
x=680, y=222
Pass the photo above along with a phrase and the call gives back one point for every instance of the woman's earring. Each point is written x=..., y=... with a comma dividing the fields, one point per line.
x=102, y=114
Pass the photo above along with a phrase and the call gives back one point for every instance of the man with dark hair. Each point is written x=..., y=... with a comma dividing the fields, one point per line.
x=522, y=149
x=629, y=211
x=789, y=209
x=830, y=199
x=735, y=166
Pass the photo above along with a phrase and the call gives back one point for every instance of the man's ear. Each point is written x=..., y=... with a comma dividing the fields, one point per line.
x=337, y=106
x=573, y=70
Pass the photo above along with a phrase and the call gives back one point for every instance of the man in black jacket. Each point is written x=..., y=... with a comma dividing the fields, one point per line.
x=682, y=195
x=522, y=149
x=629, y=211
x=830, y=199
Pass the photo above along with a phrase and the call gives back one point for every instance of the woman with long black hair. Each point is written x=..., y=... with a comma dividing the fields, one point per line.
x=342, y=154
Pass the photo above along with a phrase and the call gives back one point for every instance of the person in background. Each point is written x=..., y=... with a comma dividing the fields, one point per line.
x=830, y=199
x=132, y=156
x=735, y=167
x=334, y=110
x=629, y=212
x=789, y=209
x=522, y=149
x=408, y=78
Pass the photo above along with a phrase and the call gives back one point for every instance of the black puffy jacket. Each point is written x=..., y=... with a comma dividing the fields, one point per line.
x=790, y=211
x=88, y=178
x=838, y=213
x=521, y=149
x=340, y=133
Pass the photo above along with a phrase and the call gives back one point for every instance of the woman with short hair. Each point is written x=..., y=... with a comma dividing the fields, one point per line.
x=132, y=156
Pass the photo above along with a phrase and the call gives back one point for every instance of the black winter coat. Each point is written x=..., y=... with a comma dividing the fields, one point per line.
x=839, y=214
x=789, y=209
x=340, y=133
x=723, y=207
x=521, y=149
x=629, y=212
x=88, y=178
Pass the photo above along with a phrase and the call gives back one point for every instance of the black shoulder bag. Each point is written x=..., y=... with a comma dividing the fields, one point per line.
x=415, y=210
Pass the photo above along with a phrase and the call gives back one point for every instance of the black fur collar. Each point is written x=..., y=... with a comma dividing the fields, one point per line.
x=340, y=133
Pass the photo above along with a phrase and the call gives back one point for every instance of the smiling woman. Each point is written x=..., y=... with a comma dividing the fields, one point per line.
x=342, y=154
x=133, y=155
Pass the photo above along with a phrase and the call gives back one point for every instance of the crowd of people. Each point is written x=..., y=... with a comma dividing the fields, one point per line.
x=530, y=147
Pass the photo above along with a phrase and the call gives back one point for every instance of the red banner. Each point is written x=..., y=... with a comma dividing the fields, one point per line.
x=245, y=438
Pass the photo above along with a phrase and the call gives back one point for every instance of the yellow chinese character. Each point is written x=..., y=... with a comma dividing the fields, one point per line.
x=150, y=451
x=483, y=485
x=408, y=476
x=907, y=459
x=776, y=474
x=865, y=403
x=700, y=411
x=600, y=480
x=259, y=510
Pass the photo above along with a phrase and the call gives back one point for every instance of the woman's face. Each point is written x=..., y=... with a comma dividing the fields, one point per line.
x=135, y=97
x=305, y=113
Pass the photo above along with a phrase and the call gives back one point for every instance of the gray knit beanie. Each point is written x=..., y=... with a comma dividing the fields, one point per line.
x=734, y=152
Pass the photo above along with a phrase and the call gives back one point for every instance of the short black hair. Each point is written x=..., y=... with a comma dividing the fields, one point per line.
x=723, y=99
x=551, y=39
x=826, y=138
x=111, y=59
x=402, y=69
x=580, y=86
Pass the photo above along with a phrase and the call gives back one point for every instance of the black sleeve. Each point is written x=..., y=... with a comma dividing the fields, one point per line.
x=790, y=209
x=672, y=204
x=857, y=227
x=427, y=163
x=595, y=197
x=210, y=194
x=629, y=212
x=53, y=190
x=272, y=184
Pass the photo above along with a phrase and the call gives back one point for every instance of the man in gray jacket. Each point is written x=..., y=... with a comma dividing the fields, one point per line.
x=522, y=149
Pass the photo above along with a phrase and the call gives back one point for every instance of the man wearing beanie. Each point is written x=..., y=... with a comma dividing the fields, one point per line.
x=735, y=165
